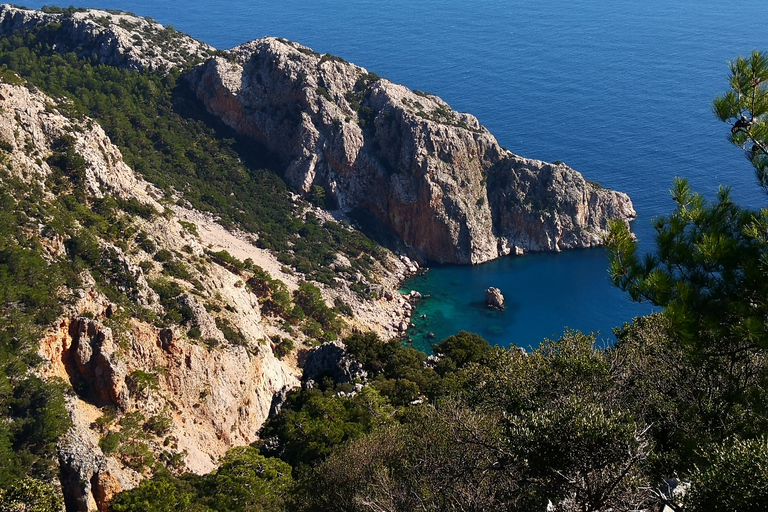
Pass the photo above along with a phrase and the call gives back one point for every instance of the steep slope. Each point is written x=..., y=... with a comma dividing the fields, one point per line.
x=405, y=158
x=110, y=37
x=167, y=349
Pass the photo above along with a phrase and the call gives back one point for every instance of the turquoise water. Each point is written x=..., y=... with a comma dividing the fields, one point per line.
x=455, y=299
x=619, y=90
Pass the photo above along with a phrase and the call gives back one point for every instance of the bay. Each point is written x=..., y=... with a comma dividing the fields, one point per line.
x=618, y=89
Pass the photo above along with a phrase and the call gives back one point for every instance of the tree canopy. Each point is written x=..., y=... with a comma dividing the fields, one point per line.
x=745, y=108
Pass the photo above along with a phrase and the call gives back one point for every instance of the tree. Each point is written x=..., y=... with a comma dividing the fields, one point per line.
x=30, y=495
x=247, y=481
x=709, y=272
x=745, y=108
x=735, y=477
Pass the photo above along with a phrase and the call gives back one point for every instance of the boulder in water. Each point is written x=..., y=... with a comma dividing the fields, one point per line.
x=494, y=299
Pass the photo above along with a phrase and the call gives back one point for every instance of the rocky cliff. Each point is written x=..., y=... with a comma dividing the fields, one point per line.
x=435, y=177
x=114, y=38
x=146, y=389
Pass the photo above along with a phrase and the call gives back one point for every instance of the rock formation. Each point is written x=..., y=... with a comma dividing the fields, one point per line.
x=436, y=178
x=332, y=360
x=213, y=394
x=494, y=299
x=114, y=38
x=433, y=177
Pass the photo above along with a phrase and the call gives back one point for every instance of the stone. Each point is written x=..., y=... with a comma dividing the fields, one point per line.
x=435, y=178
x=332, y=359
x=494, y=299
x=165, y=336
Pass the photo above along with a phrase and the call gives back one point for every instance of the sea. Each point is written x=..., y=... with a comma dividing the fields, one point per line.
x=620, y=90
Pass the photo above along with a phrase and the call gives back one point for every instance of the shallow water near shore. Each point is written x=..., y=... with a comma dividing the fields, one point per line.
x=535, y=309
x=620, y=91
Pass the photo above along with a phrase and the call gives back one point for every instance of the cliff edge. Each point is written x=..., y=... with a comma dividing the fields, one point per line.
x=436, y=178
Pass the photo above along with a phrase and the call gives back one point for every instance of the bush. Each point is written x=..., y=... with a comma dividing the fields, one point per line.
x=733, y=476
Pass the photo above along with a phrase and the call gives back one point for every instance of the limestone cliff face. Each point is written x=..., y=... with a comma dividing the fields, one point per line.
x=114, y=38
x=208, y=396
x=193, y=397
x=537, y=206
x=435, y=177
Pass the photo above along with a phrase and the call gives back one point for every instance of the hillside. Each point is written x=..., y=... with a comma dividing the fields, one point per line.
x=195, y=318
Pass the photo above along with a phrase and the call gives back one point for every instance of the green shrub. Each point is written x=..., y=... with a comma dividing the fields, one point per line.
x=110, y=442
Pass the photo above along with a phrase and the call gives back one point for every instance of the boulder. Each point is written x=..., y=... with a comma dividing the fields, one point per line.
x=332, y=360
x=494, y=299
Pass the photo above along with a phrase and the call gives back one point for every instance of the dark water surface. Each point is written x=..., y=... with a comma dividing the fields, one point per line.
x=619, y=90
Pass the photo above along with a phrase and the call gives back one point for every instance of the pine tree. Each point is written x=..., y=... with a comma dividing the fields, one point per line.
x=745, y=108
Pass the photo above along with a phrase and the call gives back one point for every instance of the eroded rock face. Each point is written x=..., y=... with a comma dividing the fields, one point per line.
x=92, y=367
x=116, y=39
x=332, y=360
x=408, y=160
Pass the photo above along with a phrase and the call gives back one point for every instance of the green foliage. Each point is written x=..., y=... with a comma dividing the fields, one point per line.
x=461, y=349
x=319, y=321
x=745, y=108
x=397, y=372
x=708, y=272
x=109, y=442
x=735, y=477
x=231, y=334
x=311, y=423
x=34, y=417
x=30, y=495
x=227, y=261
x=451, y=457
x=245, y=481
x=155, y=495
x=318, y=196
x=283, y=347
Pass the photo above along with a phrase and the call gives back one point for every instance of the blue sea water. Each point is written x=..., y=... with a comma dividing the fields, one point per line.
x=619, y=90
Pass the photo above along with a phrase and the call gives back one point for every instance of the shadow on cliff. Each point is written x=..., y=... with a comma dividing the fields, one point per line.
x=253, y=154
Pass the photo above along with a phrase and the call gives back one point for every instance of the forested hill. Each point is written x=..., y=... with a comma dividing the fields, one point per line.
x=182, y=331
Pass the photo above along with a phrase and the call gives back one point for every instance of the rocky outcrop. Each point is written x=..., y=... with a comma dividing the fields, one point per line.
x=113, y=38
x=90, y=363
x=332, y=360
x=210, y=392
x=494, y=299
x=89, y=479
x=436, y=178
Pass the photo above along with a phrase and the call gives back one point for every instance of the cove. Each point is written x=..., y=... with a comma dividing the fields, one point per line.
x=544, y=294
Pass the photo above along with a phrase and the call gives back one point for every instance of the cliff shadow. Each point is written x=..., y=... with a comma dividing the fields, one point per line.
x=253, y=154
